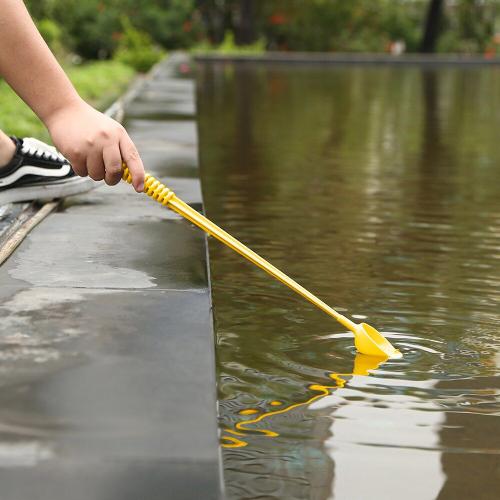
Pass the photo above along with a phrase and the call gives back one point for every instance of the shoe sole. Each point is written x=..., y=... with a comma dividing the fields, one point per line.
x=56, y=189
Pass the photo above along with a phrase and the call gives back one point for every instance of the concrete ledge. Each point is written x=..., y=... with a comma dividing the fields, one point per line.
x=107, y=368
x=352, y=58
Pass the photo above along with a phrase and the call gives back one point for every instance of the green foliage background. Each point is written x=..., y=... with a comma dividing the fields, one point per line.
x=94, y=29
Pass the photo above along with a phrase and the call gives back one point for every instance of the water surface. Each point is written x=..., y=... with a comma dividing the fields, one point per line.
x=377, y=188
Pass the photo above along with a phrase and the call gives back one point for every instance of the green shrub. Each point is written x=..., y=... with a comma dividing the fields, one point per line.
x=136, y=48
x=93, y=28
x=173, y=24
x=228, y=46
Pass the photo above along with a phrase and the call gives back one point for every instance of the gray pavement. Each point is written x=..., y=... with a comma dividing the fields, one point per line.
x=107, y=379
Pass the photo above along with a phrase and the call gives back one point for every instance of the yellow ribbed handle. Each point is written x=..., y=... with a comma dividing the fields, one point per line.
x=162, y=194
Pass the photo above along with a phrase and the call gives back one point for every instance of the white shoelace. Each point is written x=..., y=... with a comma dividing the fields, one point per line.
x=39, y=149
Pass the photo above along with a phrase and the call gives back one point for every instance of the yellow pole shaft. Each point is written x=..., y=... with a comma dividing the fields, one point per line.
x=177, y=205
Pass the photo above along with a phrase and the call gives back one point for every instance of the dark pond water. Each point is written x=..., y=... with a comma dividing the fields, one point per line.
x=377, y=188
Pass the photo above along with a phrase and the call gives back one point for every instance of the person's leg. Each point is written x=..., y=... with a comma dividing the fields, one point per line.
x=7, y=149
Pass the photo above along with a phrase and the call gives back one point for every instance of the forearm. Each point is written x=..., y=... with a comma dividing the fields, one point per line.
x=28, y=65
x=95, y=144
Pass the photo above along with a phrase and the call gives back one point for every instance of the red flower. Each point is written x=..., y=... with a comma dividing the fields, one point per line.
x=278, y=18
x=489, y=53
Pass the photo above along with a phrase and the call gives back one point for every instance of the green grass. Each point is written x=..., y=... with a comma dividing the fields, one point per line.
x=229, y=47
x=99, y=83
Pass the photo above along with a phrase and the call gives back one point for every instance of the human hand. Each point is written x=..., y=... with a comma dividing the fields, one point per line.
x=95, y=144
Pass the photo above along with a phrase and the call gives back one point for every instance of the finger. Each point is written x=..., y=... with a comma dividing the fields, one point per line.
x=95, y=165
x=113, y=164
x=131, y=157
x=78, y=165
x=79, y=168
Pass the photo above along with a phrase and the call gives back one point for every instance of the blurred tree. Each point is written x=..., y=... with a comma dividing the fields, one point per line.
x=215, y=19
x=433, y=26
x=245, y=26
x=220, y=16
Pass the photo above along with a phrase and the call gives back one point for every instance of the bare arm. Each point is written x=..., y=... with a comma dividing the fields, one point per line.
x=95, y=144
x=28, y=65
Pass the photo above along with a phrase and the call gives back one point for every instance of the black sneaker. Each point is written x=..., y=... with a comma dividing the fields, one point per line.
x=39, y=172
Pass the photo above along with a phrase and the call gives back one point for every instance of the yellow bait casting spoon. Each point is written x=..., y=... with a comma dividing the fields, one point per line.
x=366, y=339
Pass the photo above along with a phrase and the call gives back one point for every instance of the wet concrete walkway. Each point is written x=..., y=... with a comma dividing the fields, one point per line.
x=107, y=381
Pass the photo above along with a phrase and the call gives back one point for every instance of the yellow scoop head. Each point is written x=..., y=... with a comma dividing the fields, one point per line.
x=369, y=341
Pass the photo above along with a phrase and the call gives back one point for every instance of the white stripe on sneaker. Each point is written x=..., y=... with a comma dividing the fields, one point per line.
x=56, y=189
x=34, y=147
x=32, y=170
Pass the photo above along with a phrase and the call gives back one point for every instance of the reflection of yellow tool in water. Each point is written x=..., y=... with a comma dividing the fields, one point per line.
x=362, y=365
x=366, y=339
